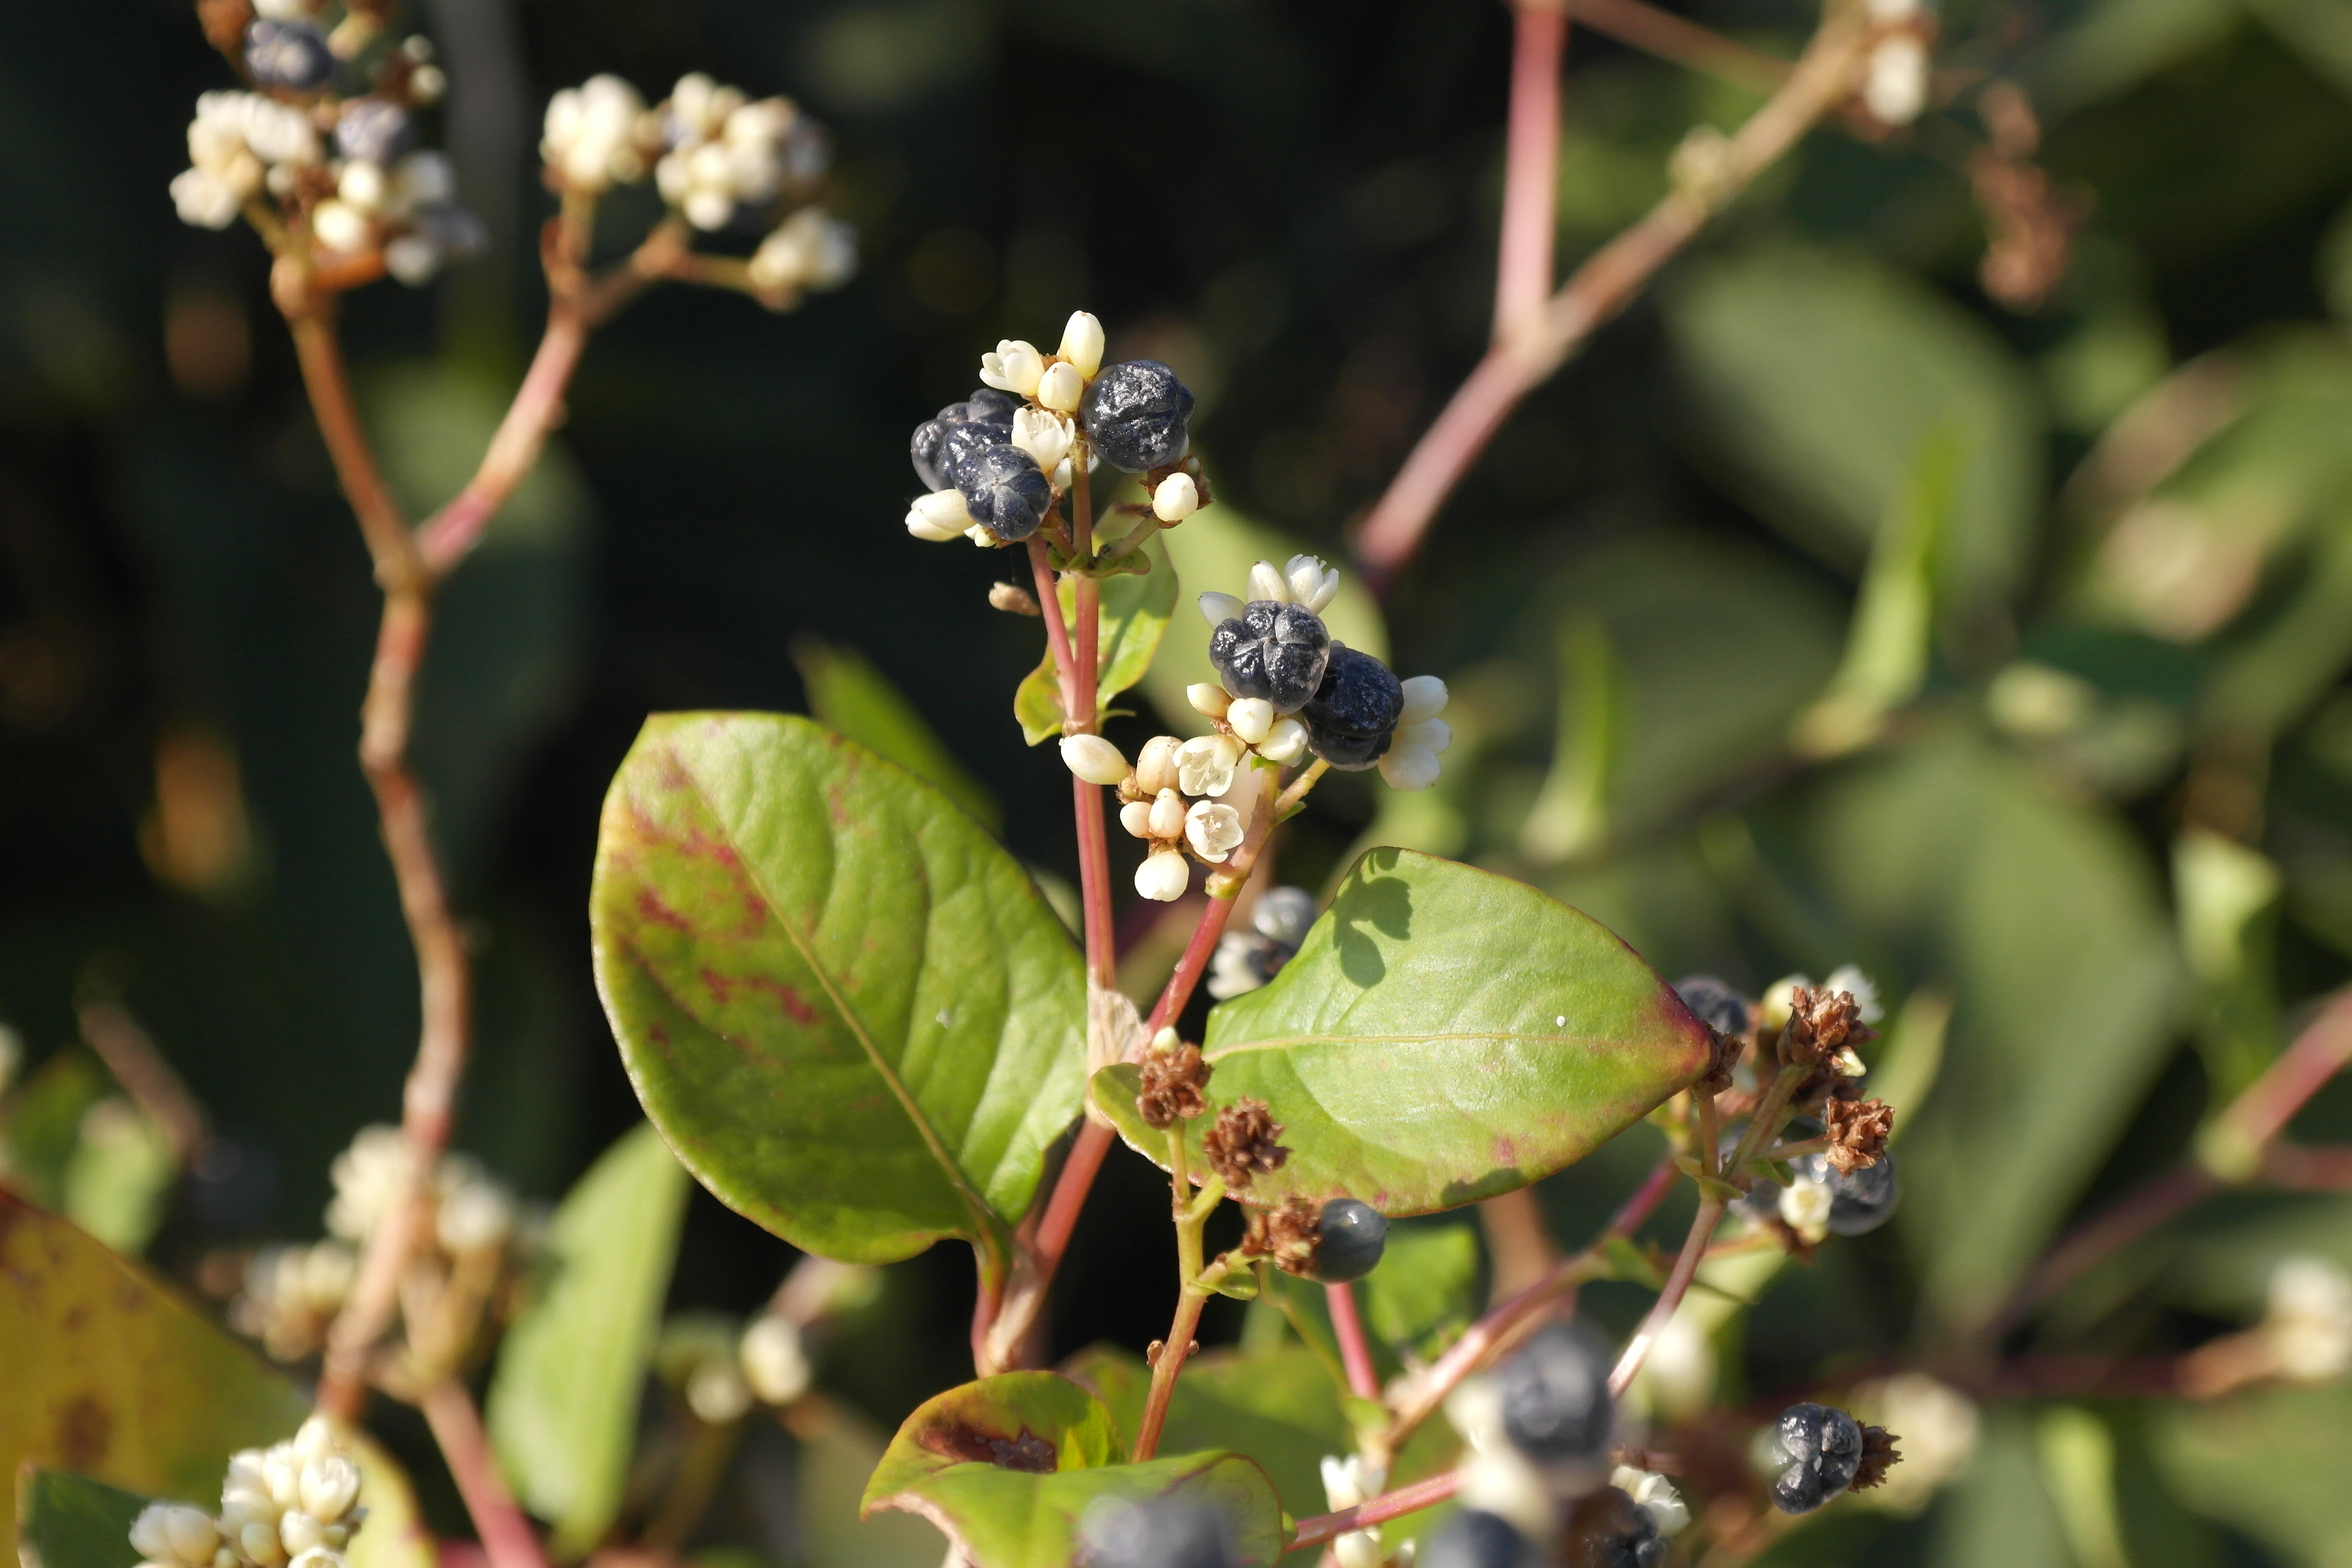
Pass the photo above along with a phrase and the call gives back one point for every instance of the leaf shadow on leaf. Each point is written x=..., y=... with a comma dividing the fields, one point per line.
x=1369, y=899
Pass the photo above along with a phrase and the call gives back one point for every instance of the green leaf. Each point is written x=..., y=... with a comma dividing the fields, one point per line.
x=1425, y=1292
x=849, y=1012
x=120, y=1175
x=110, y=1374
x=563, y=1408
x=1007, y=1467
x=1135, y=612
x=65, y=1521
x=848, y=695
x=1443, y=1034
x=1213, y=551
x=2268, y=1461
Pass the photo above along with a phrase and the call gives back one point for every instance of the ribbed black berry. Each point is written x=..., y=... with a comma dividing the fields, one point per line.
x=987, y=410
x=1556, y=1403
x=1272, y=651
x=1353, y=1236
x=1613, y=1530
x=292, y=55
x=1713, y=1004
x=1004, y=493
x=1822, y=1448
x=1353, y=714
x=1476, y=1539
x=1136, y=413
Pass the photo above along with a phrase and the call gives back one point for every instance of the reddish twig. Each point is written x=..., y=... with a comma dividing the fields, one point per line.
x=1523, y=264
x=1821, y=81
x=1422, y=1494
x=2316, y=1054
x=1355, y=1350
x=1174, y=1351
x=1682, y=41
x=507, y=1538
x=1662, y=1310
x=2303, y=1170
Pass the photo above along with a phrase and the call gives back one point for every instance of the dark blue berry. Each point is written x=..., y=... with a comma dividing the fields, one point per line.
x=372, y=129
x=961, y=447
x=1136, y=413
x=1476, y=1539
x=1713, y=1004
x=1163, y=1533
x=1353, y=713
x=1860, y=1202
x=288, y=54
x=1272, y=651
x=1353, y=1236
x=986, y=405
x=1556, y=1403
x=1819, y=1449
x=1005, y=494
x=925, y=450
x=987, y=414
x=1609, y=1530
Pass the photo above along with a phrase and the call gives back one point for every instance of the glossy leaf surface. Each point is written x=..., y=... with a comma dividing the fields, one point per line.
x=1443, y=1034
x=849, y=696
x=849, y=1012
x=562, y=1409
x=65, y=1521
x=1008, y=1465
x=1135, y=614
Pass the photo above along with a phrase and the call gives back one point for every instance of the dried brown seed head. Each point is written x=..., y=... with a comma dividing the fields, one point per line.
x=1857, y=1133
x=1291, y=1236
x=1879, y=1454
x=1240, y=1144
x=1821, y=1025
x=1173, y=1086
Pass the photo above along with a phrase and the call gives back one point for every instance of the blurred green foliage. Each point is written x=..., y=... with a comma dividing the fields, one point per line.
x=2100, y=806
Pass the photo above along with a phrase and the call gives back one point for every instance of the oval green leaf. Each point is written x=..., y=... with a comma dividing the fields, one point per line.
x=563, y=1410
x=1008, y=1465
x=65, y=1521
x=1443, y=1034
x=1135, y=612
x=850, y=1012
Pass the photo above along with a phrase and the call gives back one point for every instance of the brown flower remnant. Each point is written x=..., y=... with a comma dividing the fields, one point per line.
x=1013, y=599
x=1241, y=1145
x=1172, y=1085
x=1821, y=1025
x=2031, y=227
x=1291, y=1236
x=1879, y=1454
x=1857, y=1132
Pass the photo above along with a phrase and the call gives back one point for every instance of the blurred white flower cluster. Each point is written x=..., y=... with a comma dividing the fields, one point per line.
x=292, y=1505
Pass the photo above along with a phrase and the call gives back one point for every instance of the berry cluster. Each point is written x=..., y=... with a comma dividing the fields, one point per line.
x=292, y=1505
x=1245, y=959
x=999, y=462
x=1816, y=1452
x=327, y=140
x=1277, y=661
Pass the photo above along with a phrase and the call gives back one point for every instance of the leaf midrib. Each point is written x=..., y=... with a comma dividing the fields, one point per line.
x=983, y=1218
x=1285, y=1042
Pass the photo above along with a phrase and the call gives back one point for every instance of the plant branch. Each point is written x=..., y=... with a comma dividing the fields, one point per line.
x=1682, y=42
x=1355, y=1350
x=506, y=1535
x=1324, y=1526
x=1821, y=81
x=1662, y=1310
x=1523, y=265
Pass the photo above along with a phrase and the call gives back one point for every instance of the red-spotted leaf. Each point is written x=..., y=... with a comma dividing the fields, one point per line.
x=849, y=1012
x=1008, y=1467
x=1443, y=1034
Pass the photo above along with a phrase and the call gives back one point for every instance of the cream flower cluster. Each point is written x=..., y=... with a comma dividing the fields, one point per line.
x=292, y=1505
x=291, y=1295
x=726, y=151
x=407, y=209
x=1178, y=796
x=598, y=135
x=239, y=144
x=1348, y=1482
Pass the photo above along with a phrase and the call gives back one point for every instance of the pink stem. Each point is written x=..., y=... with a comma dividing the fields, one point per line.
x=1530, y=169
x=2318, y=1054
x=507, y=1538
x=514, y=451
x=1428, y=1493
x=1643, y=1201
x=1662, y=1312
x=1070, y=1190
x=1355, y=1351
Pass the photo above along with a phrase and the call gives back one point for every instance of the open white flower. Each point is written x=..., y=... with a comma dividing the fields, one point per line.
x=1015, y=367
x=1205, y=764
x=1044, y=435
x=1215, y=830
x=1311, y=583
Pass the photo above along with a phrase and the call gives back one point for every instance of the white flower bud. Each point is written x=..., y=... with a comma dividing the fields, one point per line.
x=339, y=227
x=1093, y=759
x=260, y=1544
x=1360, y=1549
x=281, y=1471
x=203, y=199
x=1425, y=698
x=939, y=517
x=1895, y=86
x=1204, y=765
x=362, y=186
x=1045, y=436
x=1135, y=817
x=1176, y=499
x=1015, y=367
x=1409, y=767
x=1435, y=735
x=1213, y=831
x=298, y=1532
x=1265, y=582
x=1167, y=819
x=1218, y=608
x=717, y=1392
x=1655, y=1494
x=171, y=1533
x=426, y=83
x=1082, y=343
x=317, y=1557
x=775, y=1363
x=1163, y=876
x=1060, y=388
x=1286, y=742
x=1213, y=700
x=1805, y=1205
x=330, y=1486
x=1155, y=766
x=1251, y=719
x=1312, y=583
